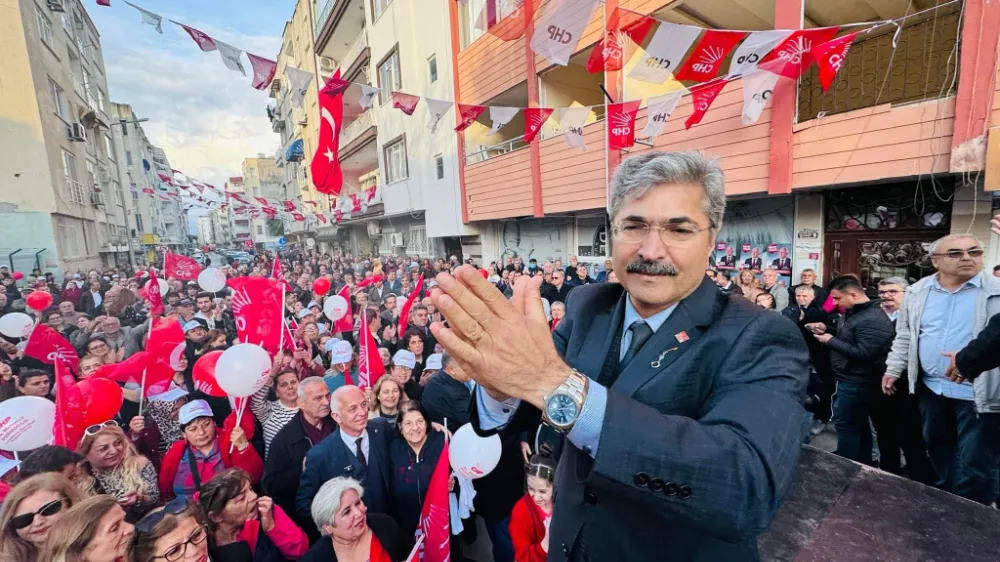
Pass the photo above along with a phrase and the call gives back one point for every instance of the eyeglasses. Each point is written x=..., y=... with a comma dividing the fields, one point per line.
x=97, y=428
x=889, y=292
x=957, y=254
x=25, y=519
x=149, y=522
x=633, y=232
x=177, y=552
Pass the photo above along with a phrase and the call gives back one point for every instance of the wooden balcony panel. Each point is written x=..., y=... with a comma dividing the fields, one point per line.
x=580, y=171
x=489, y=67
x=507, y=176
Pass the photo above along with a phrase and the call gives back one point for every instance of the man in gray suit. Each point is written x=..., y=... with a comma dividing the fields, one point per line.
x=682, y=407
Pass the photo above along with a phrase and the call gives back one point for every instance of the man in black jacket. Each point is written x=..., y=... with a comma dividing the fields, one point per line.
x=980, y=355
x=287, y=455
x=857, y=357
x=446, y=395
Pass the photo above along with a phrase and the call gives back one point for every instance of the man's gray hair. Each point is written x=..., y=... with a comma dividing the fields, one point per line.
x=935, y=244
x=894, y=281
x=304, y=384
x=805, y=289
x=326, y=503
x=635, y=176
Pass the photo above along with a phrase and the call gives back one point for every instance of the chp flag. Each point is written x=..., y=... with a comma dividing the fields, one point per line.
x=50, y=347
x=180, y=267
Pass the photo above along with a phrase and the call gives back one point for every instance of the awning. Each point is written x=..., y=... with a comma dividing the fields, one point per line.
x=295, y=152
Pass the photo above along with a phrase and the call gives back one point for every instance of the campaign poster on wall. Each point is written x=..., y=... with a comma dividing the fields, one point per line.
x=752, y=256
x=727, y=256
x=779, y=258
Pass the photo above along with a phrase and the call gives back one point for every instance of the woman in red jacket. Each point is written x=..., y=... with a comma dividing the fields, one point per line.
x=529, y=521
x=204, y=452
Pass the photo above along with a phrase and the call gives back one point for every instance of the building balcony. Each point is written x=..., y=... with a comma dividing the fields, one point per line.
x=338, y=24
x=360, y=129
x=356, y=56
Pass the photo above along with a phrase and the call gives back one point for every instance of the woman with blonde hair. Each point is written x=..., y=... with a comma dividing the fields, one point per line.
x=385, y=399
x=749, y=284
x=114, y=467
x=93, y=530
x=30, y=511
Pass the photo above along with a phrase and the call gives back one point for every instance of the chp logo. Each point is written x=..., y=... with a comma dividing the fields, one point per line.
x=621, y=123
x=707, y=59
x=795, y=50
x=559, y=35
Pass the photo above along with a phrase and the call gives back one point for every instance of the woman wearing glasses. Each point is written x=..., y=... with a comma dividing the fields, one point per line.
x=30, y=511
x=244, y=527
x=175, y=533
x=114, y=467
x=93, y=530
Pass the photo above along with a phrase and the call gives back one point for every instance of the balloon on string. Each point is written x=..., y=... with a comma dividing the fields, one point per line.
x=472, y=456
x=16, y=325
x=321, y=286
x=212, y=280
x=39, y=300
x=17, y=275
x=26, y=423
x=204, y=374
x=102, y=399
x=335, y=307
x=243, y=369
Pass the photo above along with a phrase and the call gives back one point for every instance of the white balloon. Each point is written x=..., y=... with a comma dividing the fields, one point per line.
x=212, y=280
x=26, y=423
x=472, y=456
x=16, y=325
x=164, y=286
x=243, y=369
x=335, y=307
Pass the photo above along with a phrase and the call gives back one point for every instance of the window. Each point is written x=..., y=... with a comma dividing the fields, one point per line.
x=67, y=23
x=100, y=99
x=251, y=172
x=260, y=230
x=128, y=157
x=288, y=48
x=135, y=194
x=389, y=77
x=111, y=148
x=416, y=243
x=73, y=187
x=395, y=161
x=117, y=188
x=138, y=221
x=91, y=174
x=69, y=165
x=44, y=26
x=379, y=6
x=88, y=81
x=432, y=67
x=439, y=165
x=70, y=237
x=57, y=98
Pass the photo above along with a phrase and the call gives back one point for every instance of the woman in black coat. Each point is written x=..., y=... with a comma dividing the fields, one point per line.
x=414, y=454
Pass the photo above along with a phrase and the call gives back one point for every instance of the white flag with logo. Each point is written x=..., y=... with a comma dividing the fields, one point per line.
x=658, y=111
x=298, y=83
x=501, y=116
x=571, y=121
x=757, y=88
x=755, y=47
x=368, y=94
x=437, y=109
x=665, y=52
x=230, y=56
x=152, y=19
x=558, y=32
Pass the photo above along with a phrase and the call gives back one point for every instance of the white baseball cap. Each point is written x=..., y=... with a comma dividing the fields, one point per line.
x=193, y=410
x=404, y=358
x=433, y=362
x=341, y=352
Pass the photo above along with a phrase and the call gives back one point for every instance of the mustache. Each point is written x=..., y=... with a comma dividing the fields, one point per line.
x=639, y=265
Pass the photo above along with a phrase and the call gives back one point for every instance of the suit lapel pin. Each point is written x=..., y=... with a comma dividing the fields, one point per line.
x=656, y=364
x=681, y=337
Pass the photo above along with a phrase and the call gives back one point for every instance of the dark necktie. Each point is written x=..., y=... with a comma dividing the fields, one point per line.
x=361, y=454
x=640, y=335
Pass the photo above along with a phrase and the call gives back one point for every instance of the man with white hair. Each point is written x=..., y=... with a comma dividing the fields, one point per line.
x=780, y=294
x=359, y=448
x=942, y=313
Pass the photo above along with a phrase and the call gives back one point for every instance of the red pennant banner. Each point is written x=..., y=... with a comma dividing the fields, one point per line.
x=355, y=203
x=261, y=200
x=148, y=191
x=180, y=267
x=338, y=216
x=407, y=103
x=289, y=205
x=258, y=311
x=622, y=35
x=279, y=275
x=469, y=114
x=263, y=71
x=327, y=175
x=165, y=178
x=794, y=55
x=705, y=60
x=321, y=218
x=299, y=217
x=205, y=43
x=621, y=124
x=434, y=516
x=831, y=56
x=153, y=294
x=404, y=312
x=534, y=118
x=510, y=26
x=49, y=346
x=370, y=366
x=702, y=97
x=108, y=4
x=346, y=322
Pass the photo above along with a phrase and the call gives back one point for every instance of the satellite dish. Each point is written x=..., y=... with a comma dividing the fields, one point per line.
x=310, y=242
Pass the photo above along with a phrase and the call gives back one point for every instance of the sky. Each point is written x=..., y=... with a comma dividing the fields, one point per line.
x=206, y=117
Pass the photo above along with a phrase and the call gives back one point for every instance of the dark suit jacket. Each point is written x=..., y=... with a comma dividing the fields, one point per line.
x=700, y=437
x=728, y=261
x=753, y=263
x=782, y=264
x=444, y=398
x=983, y=353
x=87, y=304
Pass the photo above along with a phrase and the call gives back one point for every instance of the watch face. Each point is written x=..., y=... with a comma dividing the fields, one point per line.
x=561, y=409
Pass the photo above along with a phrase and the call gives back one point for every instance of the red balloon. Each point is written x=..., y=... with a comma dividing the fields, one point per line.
x=39, y=300
x=204, y=374
x=321, y=286
x=17, y=275
x=102, y=399
x=484, y=273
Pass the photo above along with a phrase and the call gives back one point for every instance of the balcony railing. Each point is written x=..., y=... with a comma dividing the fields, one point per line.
x=78, y=87
x=358, y=126
x=77, y=193
x=492, y=151
x=323, y=15
x=360, y=44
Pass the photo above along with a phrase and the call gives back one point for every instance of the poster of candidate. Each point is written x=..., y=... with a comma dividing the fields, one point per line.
x=752, y=256
x=779, y=258
x=727, y=256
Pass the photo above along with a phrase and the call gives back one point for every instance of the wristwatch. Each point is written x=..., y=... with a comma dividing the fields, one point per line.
x=561, y=407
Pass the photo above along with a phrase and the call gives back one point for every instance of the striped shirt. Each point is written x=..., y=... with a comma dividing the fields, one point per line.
x=272, y=415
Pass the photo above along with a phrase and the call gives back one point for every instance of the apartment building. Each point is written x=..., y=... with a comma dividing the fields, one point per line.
x=858, y=180
x=62, y=206
x=176, y=232
x=263, y=178
x=206, y=230
x=237, y=230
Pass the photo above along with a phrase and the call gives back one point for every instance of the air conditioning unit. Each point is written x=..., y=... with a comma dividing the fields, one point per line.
x=373, y=228
x=97, y=198
x=396, y=240
x=326, y=65
x=77, y=132
x=56, y=6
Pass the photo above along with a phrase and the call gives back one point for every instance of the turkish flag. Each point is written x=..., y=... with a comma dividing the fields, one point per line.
x=258, y=311
x=325, y=165
x=153, y=294
x=205, y=43
x=279, y=275
x=702, y=96
x=404, y=313
x=623, y=34
x=49, y=346
x=180, y=267
x=794, y=55
x=346, y=322
x=621, y=132
x=407, y=103
x=68, y=427
x=534, y=118
x=831, y=56
x=705, y=60
x=435, y=523
x=370, y=366
x=469, y=115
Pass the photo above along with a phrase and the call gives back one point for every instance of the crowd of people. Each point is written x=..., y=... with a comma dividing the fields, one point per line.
x=320, y=468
